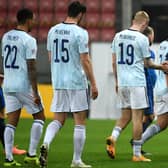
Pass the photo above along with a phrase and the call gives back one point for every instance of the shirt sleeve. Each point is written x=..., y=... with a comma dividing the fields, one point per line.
x=31, y=49
x=83, y=40
x=145, y=47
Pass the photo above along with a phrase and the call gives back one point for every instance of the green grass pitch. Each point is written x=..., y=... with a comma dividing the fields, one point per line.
x=61, y=149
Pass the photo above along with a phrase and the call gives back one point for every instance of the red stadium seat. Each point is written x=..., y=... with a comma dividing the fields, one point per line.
x=46, y=6
x=46, y=18
x=34, y=32
x=14, y=5
x=12, y=18
x=61, y=5
x=3, y=18
x=42, y=34
x=107, y=34
x=32, y=4
x=107, y=20
x=92, y=19
x=60, y=17
x=94, y=34
x=2, y=31
x=93, y=5
x=108, y=5
x=3, y=5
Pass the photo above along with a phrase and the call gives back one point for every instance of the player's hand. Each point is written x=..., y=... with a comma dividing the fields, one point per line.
x=37, y=99
x=165, y=66
x=94, y=92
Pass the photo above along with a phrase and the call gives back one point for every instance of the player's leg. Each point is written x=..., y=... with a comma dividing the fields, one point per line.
x=79, y=107
x=162, y=123
x=138, y=104
x=149, y=112
x=13, y=118
x=119, y=127
x=37, y=112
x=125, y=118
x=51, y=131
x=2, y=127
x=53, y=128
x=2, y=116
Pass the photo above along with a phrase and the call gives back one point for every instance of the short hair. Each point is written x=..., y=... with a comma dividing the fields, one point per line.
x=148, y=31
x=75, y=8
x=141, y=16
x=23, y=15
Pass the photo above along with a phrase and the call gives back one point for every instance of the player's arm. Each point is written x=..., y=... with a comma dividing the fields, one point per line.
x=87, y=66
x=150, y=64
x=115, y=70
x=32, y=74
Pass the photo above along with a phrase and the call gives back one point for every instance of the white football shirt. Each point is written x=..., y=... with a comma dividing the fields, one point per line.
x=17, y=47
x=66, y=42
x=130, y=47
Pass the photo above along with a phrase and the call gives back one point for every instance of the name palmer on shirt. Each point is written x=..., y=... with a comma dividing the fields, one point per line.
x=62, y=32
x=12, y=38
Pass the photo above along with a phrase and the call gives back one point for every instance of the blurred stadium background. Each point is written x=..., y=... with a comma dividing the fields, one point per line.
x=103, y=19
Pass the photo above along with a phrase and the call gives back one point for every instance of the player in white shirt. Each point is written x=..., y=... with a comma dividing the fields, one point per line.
x=67, y=46
x=20, y=85
x=161, y=92
x=130, y=52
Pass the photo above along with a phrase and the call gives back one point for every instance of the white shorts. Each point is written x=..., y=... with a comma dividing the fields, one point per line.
x=161, y=104
x=70, y=101
x=15, y=101
x=133, y=97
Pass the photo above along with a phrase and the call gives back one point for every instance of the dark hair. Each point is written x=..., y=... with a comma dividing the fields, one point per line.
x=23, y=15
x=75, y=8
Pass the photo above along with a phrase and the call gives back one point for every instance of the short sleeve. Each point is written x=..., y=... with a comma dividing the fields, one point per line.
x=83, y=40
x=145, y=47
x=31, y=48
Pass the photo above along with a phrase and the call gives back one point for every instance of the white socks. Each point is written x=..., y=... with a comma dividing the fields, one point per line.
x=51, y=131
x=116, y=132
x=150, y=132
x=79, y=141
x=35, y=135
x=9, y=140
x=137, y=147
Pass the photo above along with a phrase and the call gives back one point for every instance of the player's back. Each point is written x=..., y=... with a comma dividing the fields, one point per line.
x=131, y=47
x=66, y=42
x=161, y=84
x=16, y=49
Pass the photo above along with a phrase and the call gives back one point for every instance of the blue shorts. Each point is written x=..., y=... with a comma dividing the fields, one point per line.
x=2, y=101
x=150, y=109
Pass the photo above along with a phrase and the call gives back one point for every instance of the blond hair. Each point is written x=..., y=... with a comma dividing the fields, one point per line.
x=141, y=16
x=149, y=30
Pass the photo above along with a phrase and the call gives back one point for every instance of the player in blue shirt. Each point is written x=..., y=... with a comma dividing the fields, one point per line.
x=161, y=92
x=150, y=82
x=20, y=85
x=130, y=53
x=67, y=46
